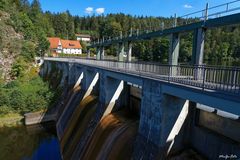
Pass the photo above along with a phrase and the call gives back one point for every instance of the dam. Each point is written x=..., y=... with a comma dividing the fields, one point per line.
x=143, y=110
x=119, y=110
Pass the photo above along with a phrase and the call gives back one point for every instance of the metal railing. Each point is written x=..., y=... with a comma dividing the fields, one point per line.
x=211, y=12
x=223, y=79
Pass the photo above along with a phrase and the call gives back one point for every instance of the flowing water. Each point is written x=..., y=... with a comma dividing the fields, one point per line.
x=113, y=137
x=77, y=124
x=69, y=107
x=34, y=143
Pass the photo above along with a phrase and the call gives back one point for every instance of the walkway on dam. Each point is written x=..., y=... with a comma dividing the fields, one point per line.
x=223, y=80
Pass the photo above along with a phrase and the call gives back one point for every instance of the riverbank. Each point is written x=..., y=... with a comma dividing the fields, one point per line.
x=15, y=119
x=11, y=119
x=39, y=117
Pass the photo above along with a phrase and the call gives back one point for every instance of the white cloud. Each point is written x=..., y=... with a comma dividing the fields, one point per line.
x=188, y=6
x=100, y=10
x=89, y=10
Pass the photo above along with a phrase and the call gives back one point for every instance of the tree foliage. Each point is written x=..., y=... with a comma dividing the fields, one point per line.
x=36, y=25
x=25, y=95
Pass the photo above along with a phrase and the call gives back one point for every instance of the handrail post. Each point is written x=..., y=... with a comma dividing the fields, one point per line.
x=206, y=13
x=234, y=77
x=169, y=74
x=204, y=73
x=175, y=20
x=162, y=25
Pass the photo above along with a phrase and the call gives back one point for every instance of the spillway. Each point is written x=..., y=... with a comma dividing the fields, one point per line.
x=69, y=107
x=77, y=125
x=113, y=137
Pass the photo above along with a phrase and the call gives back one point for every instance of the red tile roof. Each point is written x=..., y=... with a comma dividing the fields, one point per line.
x=65, y=43
x=54, y=42
x=71, y=44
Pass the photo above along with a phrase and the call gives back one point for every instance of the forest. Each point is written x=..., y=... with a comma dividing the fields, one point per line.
x=221, y=43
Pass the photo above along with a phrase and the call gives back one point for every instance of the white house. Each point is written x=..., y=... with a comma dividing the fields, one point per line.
x=71, y=47
x=58, y=45
x=83, y=37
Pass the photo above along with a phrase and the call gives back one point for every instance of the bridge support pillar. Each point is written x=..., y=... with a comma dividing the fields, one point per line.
x=121, y=52
x=102, y=53
x=162, y=121
x=174, y=49
x=88, y=53
x=98, y=56
x=198, y=46
x=129, y=54
x=174, y=53
x=198, y=52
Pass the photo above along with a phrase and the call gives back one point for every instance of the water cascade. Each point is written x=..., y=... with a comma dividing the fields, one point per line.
x=67, y=94
x=77, y=124
x=113, y=137
x=70, y=106
x=84, y=134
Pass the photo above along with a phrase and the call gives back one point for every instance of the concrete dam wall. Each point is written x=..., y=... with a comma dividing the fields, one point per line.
x=104, y=114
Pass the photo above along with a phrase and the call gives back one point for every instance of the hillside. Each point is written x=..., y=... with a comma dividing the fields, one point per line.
x=21, y=39
x=10, y=45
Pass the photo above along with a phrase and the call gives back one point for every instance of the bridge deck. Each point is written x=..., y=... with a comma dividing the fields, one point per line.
x=216, y=16
x=211, y=23
x=213, y=79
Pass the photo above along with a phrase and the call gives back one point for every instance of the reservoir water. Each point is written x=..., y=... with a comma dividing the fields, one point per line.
x=29, y=143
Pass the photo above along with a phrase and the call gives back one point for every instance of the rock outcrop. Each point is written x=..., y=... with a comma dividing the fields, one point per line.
x=10, y=45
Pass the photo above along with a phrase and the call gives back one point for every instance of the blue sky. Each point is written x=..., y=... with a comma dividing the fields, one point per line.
x=133, y=7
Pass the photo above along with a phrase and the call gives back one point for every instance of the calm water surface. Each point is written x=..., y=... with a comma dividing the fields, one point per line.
x=29, y=143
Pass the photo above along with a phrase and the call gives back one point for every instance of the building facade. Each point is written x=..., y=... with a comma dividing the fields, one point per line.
x=83, y=37
x=58, y=46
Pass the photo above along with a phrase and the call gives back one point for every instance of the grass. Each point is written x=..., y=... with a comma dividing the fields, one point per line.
x=11, y=119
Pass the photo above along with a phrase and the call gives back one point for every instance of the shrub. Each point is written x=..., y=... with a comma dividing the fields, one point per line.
x=5, y=110
x=28, y=50
x=26, y=94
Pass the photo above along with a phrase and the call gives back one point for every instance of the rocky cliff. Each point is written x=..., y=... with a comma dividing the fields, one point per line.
x=10, y=45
